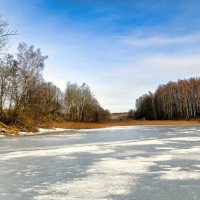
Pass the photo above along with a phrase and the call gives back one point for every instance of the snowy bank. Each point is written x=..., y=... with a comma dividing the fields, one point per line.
x=43, y=131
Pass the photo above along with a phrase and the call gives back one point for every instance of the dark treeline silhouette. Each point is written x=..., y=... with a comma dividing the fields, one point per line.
x=27, y=100
x=175, y=100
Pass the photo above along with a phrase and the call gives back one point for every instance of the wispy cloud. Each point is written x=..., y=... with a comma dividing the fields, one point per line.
x=117, y=72
x=159, y=40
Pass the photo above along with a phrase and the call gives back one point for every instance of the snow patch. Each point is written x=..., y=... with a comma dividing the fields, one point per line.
x=66, y=150
x=192, y=139
x=177, y=173
x=104, y=179
x=42, y=131
x=113, y=128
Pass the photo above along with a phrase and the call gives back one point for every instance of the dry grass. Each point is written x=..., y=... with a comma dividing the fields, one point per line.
x=11, y=130
x=81, y=125
x=8, y=130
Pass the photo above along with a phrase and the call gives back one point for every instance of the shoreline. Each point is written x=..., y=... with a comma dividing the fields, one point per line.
x=55, y=130
x=67, y=126
x=42, y=131
x=113, y=123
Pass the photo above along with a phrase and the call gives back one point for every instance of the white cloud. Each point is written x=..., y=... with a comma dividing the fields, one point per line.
x=162, y=40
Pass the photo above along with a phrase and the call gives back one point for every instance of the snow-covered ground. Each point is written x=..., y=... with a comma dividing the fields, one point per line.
x=117, y=163
x=42, y=131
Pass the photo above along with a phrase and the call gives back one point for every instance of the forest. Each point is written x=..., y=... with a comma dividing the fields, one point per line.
x=173, y=101
x=27, y=101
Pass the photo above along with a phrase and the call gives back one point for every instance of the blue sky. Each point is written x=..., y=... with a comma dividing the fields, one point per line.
x=120, y=48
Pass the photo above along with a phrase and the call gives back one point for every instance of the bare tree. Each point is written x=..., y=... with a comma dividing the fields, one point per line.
x=81, y=105
x=4, y=34
x=30, y=66
x=179, y=100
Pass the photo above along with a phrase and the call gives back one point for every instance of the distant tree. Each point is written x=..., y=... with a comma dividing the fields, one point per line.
x=81, y=105
x=175, y=100
x=131, y=114
x=145, y=107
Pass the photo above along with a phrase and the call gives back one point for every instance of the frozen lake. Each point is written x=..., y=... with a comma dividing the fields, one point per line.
x=129, y=163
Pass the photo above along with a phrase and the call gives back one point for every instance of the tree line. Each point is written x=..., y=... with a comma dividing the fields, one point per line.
x=175, y=100
x=27, y=100
x=81, y=105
